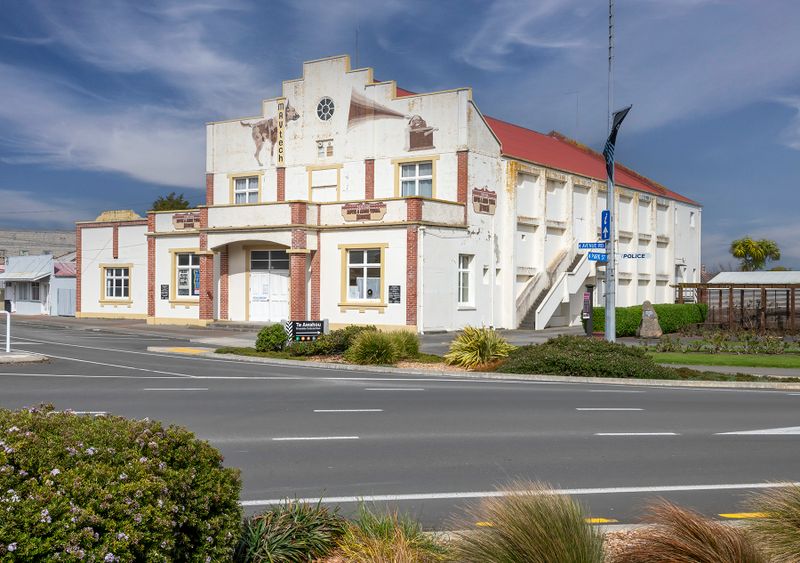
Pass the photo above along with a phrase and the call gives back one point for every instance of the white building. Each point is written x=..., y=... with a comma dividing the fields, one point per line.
x=39, y=285
x=358, y=202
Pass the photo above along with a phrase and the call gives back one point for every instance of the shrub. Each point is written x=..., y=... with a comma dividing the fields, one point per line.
x=271, y=339
x=406, y=344
x=382, y=538
x=334, y=343
x=684, y=536
x=587, y=357
x=476, y=347
x=372, y=347
x=111, y=489
x=529, y=524
x=672, y=317
x=294, y=532
x=778, y=529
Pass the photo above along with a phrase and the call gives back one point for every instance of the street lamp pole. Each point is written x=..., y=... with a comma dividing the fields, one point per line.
x=611, y=247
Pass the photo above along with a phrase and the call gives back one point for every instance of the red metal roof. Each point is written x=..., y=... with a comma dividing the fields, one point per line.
x=554, y=150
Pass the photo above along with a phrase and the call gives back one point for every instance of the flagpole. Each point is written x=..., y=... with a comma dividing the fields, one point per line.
x=611, y=247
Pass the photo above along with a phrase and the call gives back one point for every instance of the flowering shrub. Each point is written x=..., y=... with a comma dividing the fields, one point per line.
x=110, y=489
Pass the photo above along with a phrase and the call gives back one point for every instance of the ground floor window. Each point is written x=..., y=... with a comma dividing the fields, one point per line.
x=118, y=283
x=188, y=274
x=364, y=270
x=465, y=279
x=23, y=291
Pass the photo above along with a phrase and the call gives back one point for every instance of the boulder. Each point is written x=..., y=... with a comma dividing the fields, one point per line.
x=649, y=327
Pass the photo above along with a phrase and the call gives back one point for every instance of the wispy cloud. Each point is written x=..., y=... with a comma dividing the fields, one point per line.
x=26, y=206
x=791, y=133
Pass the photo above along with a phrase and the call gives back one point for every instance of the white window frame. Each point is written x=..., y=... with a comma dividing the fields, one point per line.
x=22, y=291
x=190, y=268
x=36, y=292
x=416, y=178
x=247, y=187
x=364, y=266
x=466, y=280
x=113, y=274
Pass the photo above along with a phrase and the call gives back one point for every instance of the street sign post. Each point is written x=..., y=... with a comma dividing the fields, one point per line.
x=605, y=225
x=598, y=257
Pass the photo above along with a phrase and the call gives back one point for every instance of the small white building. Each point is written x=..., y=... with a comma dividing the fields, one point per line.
x=359, y=202
x=40, y=285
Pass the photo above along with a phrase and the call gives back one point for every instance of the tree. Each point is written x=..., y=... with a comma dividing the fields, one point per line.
x=753, y=254
x=171, y=202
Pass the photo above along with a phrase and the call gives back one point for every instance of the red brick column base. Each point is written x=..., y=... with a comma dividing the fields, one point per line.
x=315, y=283
x=369, y=178
x=297, y=281
x=210, y=189
x=462, y=176
x=223, y=283
x=412, y=235
x=281, y=180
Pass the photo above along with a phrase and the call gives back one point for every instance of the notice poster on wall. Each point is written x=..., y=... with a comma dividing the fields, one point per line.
x=394, y=294
x=165, y=291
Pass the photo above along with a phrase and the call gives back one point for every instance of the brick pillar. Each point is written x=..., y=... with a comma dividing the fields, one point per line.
x=206, y=272
x=78, y=276
x=369, y=178
x=223, y=283
x=315, y=282
x=297, y=264
x=462, y=176
x=413, y=213
x=115, y=241
x=210, y=189
x=151, y=265
x=281, y=180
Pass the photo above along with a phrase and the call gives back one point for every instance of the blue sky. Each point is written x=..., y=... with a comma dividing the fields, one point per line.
x=103, y=104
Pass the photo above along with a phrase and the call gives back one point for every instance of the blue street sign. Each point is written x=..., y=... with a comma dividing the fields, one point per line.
x=598, y=257
x=589, y=245
x=605, y=225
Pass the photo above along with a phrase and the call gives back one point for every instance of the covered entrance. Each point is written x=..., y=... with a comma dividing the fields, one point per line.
x=268, y=282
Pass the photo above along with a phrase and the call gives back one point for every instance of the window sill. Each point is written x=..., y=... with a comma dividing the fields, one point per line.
x=194, y=301
x=467, y=308
x=116, y=301
x=362, y=306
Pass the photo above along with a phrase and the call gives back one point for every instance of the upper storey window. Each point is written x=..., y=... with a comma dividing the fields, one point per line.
x=416, y=179
x=245, y=190
x=325, y=108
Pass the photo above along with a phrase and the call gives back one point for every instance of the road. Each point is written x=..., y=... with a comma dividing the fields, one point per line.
x=424, y=444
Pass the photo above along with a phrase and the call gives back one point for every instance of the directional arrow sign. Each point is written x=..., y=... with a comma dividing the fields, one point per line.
x=598, y=257
x=590, y=245
x=605, y=224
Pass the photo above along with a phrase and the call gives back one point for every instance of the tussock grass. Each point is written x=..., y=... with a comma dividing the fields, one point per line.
x=531, y=525
x=388, y=538
x=779, y=530
x=680, y=535
x=476, y=347
x=373, y=348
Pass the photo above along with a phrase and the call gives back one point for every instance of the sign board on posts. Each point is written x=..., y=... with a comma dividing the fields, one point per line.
x=605, y=224
x=598, y=257
x=592, y=245
x=304, y=331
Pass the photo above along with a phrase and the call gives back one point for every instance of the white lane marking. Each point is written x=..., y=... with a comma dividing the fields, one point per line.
x=348, y=410
x=613, y=391
x=393, y=389
x=175, y=389
x=636, y=434
x=606, y=409
x=309, y=438
x=112, y=365
x=487, y=494
x=786, y=431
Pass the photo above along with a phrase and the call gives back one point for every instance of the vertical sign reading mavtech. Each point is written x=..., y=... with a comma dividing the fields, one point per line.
x=281, y=119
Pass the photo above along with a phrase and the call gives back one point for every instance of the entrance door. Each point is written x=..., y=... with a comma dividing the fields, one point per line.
x=269, y=285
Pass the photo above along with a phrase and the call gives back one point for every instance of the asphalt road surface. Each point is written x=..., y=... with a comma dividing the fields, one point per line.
x=426, y=445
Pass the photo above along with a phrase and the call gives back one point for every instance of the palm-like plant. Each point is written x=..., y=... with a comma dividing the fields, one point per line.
x=753, y=254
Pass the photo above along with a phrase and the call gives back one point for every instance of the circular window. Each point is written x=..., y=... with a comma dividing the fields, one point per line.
x=325, y=109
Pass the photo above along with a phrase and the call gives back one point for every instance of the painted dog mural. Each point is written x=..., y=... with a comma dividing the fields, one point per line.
x=266, y=131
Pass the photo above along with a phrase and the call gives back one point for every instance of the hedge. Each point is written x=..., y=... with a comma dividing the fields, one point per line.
x=76, y=487
x=671, y=316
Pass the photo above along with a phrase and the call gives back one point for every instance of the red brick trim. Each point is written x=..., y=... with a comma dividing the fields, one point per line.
x=78, y=260
x=281, y=181
x=412, y=234
x=299, y=213
x=413, y=209
x=297, y=286
x=206, y=272
x=462, y=176
x=315, y=283
x=210, y=189
x=115, y=242
x=223, y=283
x=369, y=178
x=151, y=266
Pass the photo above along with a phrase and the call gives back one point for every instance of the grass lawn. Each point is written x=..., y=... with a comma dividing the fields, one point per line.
x=253, y=352
x=737, y=360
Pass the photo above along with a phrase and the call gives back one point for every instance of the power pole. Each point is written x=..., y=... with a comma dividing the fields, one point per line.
x=611, y=247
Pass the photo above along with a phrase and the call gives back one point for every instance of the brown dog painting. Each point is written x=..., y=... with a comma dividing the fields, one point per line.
x=266, y=131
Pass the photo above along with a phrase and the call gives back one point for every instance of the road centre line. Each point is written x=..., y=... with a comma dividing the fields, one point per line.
x=636, y=434
x=346, y=410
x=494, y=494
x=614, y=391
x=744, y=515
x=607, y=409
x=394, y=389
x=175, y=389
x=310, y=438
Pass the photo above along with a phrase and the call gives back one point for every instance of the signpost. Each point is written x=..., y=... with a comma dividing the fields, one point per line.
x=304, y=331
x=598, y=257
x=605, y=225
x=591, y=245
